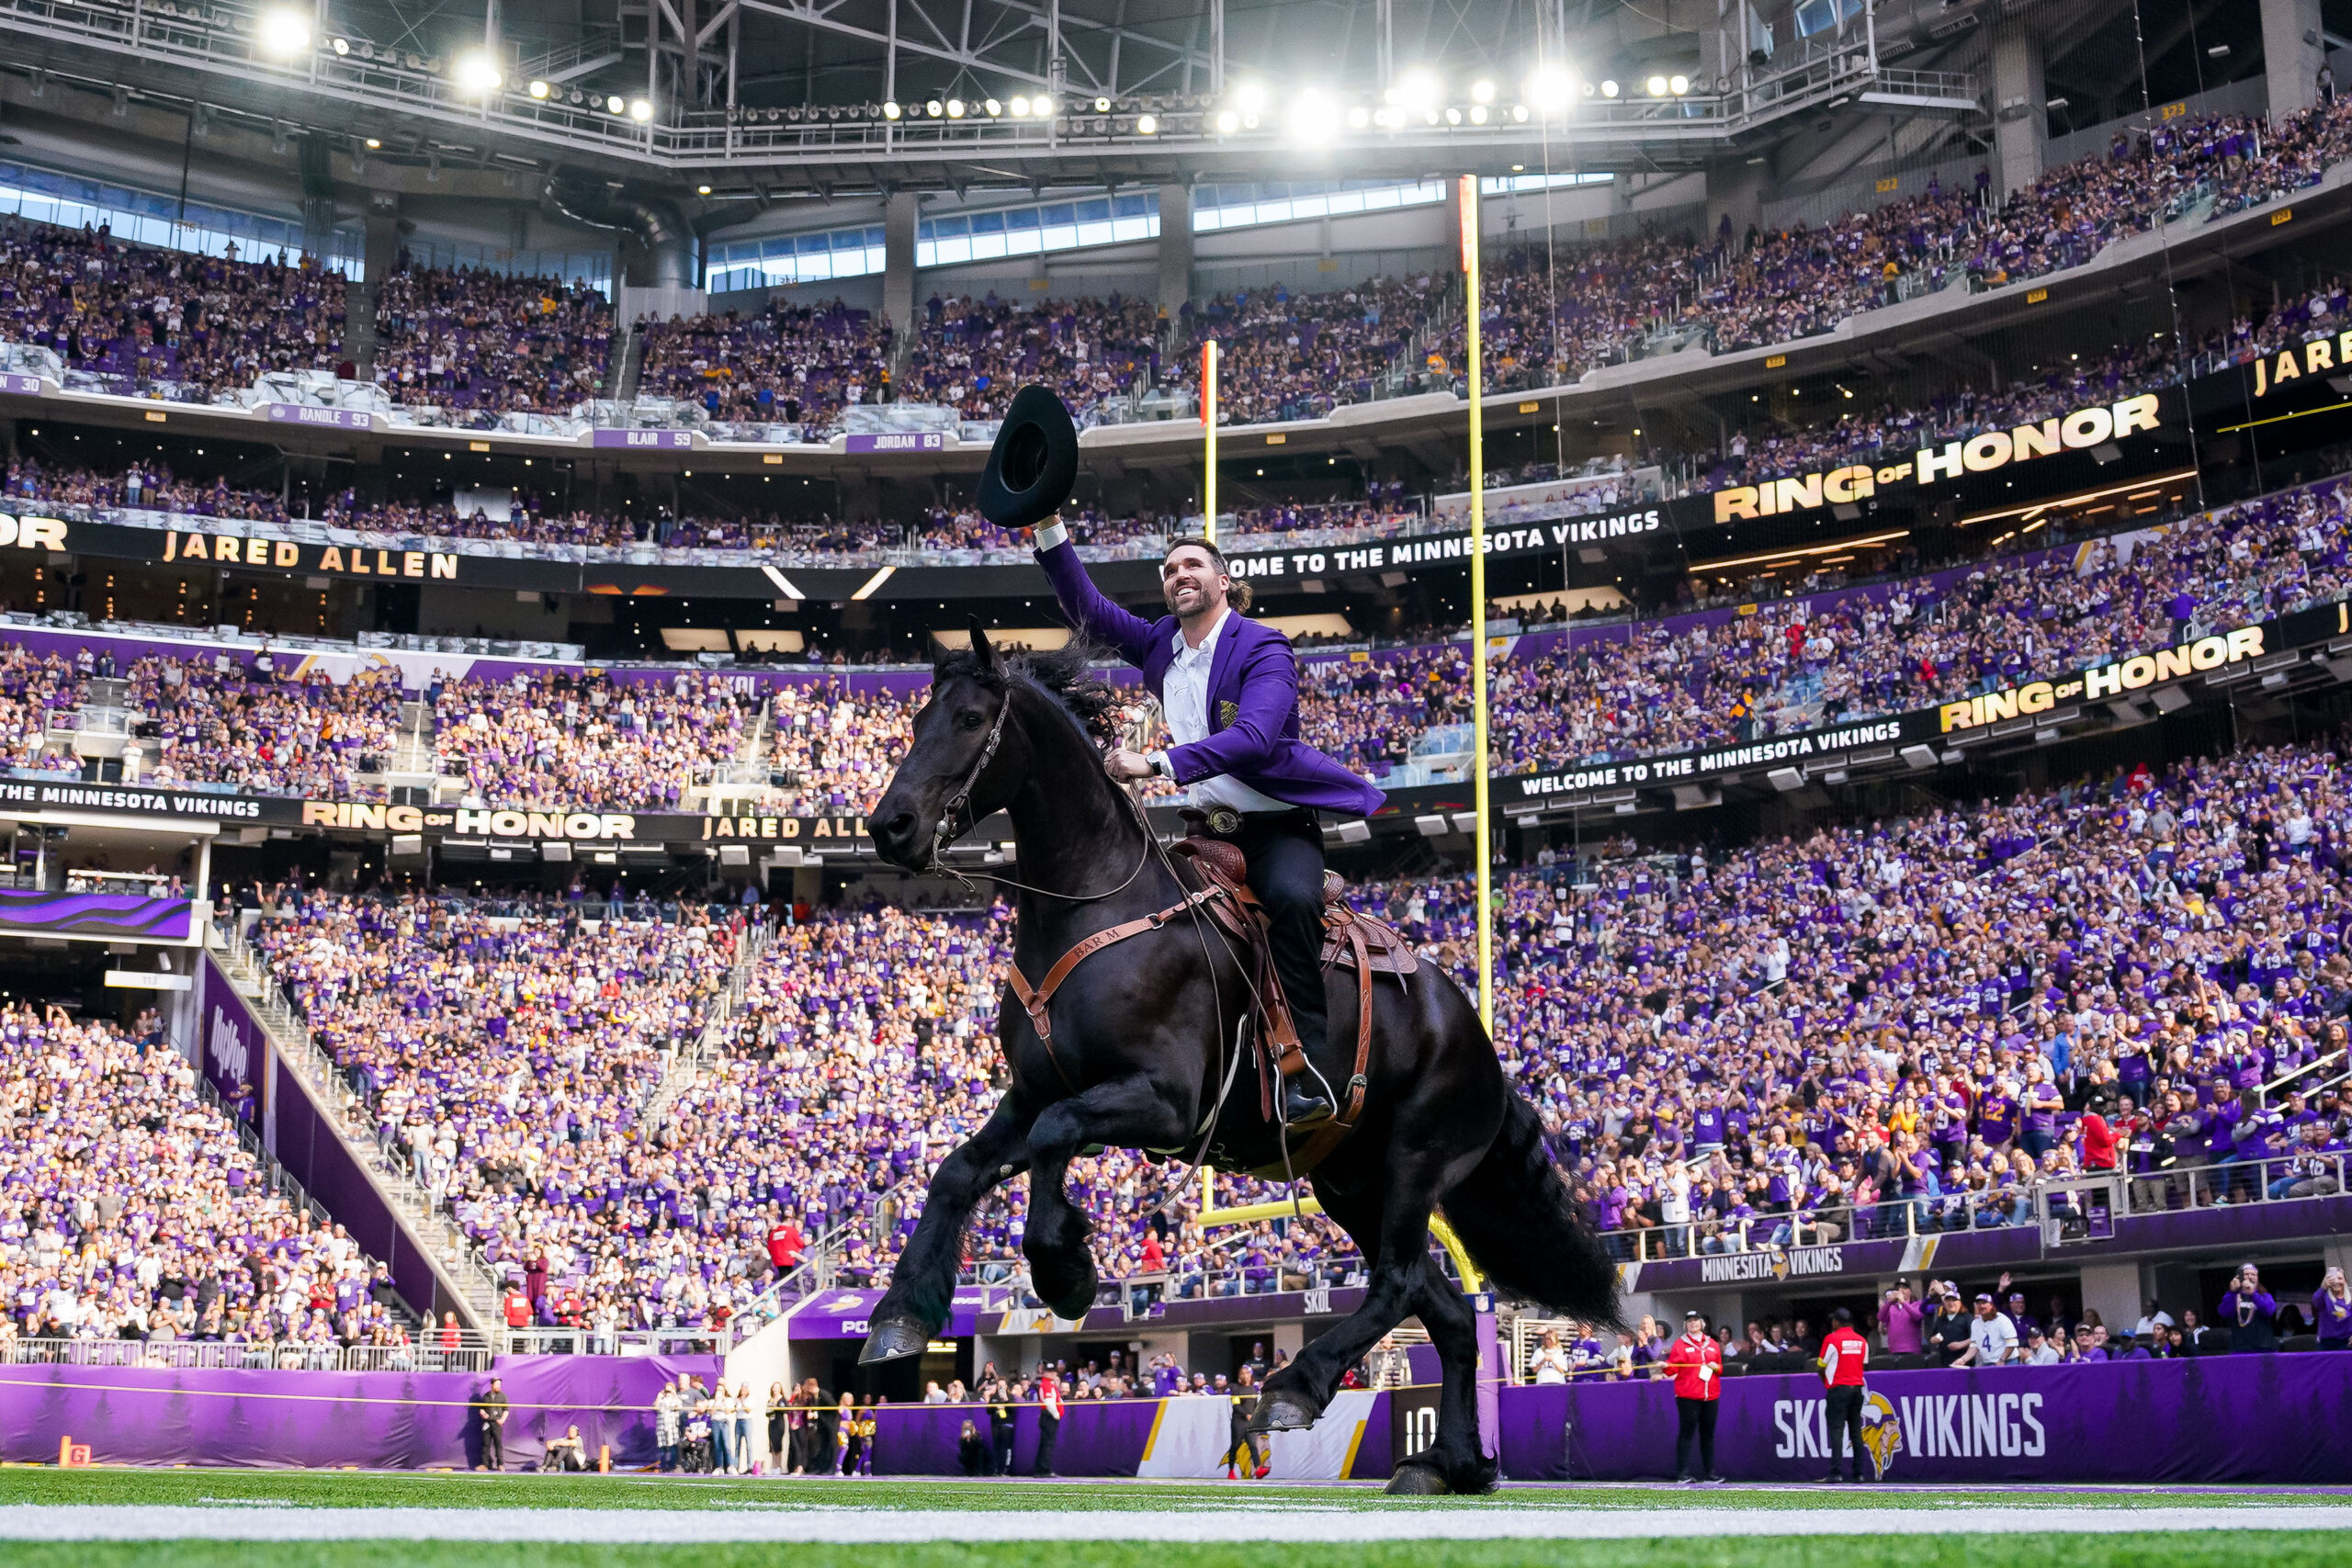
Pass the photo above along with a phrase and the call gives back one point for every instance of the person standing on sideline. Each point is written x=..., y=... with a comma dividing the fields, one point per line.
x=490, y=1409
x=665, y=1425
x=1242, y=1444
x=847, y=1446
x=723, y=1428
x=1050, y=1419
x=780, y=1432
x=1844, y=1354
x=1696, y=1363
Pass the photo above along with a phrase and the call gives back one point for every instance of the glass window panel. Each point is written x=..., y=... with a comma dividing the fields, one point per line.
x=1059, y=236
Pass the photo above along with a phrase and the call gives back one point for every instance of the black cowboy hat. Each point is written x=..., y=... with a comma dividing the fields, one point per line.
x=1033, y=465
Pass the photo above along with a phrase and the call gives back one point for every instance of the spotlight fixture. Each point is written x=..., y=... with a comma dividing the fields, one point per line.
x=1043, y=107
x=476, y=72
x=993, y=107
x=538, y=89
x=934, y=108
x=373, y=143
x=1609, y=89
x=616, y=104
x=1228, y=122
x=1657, y=86
x=1102, y=105
x=341, y=45
x=282, y=33
x=954, y=109
x=1677, y=85
x=1250, y=98
x=1482, y=92
x=890, y=111
x=702, y=190
x=1020, y=107
x=1453, y=115
x=1146, y=125
x=1518, y=113
x=1478, y=114
x=641, y=111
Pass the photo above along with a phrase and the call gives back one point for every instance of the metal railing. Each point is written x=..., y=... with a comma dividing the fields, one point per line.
x=591, y=1341
x=471, y=1354
x=2065, y=1209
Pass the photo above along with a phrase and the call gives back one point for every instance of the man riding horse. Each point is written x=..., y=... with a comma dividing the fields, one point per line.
x=1228, y=691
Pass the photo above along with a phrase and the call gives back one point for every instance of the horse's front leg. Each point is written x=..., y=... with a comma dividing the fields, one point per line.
x=1129, y=1112
x=923, y=1286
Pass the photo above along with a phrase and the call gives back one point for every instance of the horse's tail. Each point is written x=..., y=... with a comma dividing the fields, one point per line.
x=1516, y=1216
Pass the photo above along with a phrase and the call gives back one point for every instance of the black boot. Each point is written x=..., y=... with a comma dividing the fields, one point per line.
x=1302, y=1106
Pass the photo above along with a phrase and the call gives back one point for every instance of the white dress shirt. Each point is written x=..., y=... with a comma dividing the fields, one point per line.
x=1185, y=705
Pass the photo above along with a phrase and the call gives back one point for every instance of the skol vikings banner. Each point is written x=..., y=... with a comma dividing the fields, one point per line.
x=2259, y=1418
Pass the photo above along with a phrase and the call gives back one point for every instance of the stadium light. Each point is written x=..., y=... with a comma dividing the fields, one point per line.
x=1677, y=85
x=641, y=111
x=934, y=108
x=1419, y=89
x=283, y=33
x=1609, y=89
x=1453, y=115
x=1148, y=125
x=1042, y=106
x=1228, y=122
x=1250, y=98
x=539, y=89
x=954, y=109
x=1549, y=88
x=1019, y=108
x=1478, y=114
x=890, y=111
x=1482, y=91
x=476, y=72
x=341, y=45
x=1656, y=85
x=994, y=108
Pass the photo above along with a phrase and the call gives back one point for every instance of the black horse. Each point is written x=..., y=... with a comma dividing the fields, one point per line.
x=1142, y=1033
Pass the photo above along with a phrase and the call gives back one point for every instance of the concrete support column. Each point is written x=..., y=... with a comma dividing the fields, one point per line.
x=1735, y=190
x=899, y=216
x=2020, y=106
x=1175, y=248
x=382, y=228
x=2293, y=48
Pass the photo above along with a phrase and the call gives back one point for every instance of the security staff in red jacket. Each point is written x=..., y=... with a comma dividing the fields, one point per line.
x=1696, y=1364
x=1844, y=1355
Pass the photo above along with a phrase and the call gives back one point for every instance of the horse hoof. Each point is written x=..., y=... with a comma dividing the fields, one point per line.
x=888, y=1340
x=1276, y=1412
x=1416, y=1481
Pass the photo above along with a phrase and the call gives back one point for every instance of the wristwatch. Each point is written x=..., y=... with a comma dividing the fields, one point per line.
x=1160, y=765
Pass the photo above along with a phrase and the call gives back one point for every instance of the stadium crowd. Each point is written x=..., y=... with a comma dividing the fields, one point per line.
x=562, y=740
x=131, y=1211
x=149, y=320
x=482, y=342
x=972, y=354
x=791, y=365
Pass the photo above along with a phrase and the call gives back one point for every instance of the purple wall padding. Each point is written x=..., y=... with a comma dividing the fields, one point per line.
x=376, y=1420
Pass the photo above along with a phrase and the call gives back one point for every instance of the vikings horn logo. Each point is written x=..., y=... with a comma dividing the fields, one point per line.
x=1881, y=1432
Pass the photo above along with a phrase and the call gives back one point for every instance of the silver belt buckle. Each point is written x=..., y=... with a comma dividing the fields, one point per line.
x=1224, y=821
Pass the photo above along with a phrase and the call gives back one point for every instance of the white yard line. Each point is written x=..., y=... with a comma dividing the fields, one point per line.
x=894, y=1527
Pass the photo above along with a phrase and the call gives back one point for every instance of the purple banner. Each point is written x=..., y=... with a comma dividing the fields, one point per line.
x=846, y=1315
x=897, y=441
x=20, y=385
x=2268, y=1420
x=333, y=419
x=319, y=1420
x=108, y=917
x=1097, y=1438
x=645, y=440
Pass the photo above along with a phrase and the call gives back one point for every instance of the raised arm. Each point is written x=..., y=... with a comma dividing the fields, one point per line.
x=1096, y=616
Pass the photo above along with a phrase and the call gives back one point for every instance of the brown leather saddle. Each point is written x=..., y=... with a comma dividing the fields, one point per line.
x=1351, y=939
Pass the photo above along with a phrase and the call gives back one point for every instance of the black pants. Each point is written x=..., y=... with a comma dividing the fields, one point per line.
x=1695, y=1418
x=999, y=1445
x=1243, y=1451
x=1846, y=1418
x=494, y=1446
x=1285, y=852
x=1049, y=1433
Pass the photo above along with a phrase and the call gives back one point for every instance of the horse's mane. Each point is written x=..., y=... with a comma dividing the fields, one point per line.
x=1066, y=674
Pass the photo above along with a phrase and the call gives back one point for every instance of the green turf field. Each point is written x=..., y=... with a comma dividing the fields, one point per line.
x=346, y=1489
x=2259, y=1525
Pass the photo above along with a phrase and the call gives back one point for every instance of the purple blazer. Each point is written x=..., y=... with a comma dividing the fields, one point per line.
x=1253, y=697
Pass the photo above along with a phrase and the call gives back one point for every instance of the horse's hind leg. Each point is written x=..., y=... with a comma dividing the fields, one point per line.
x=923, y=1286
x=1453, y=1462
